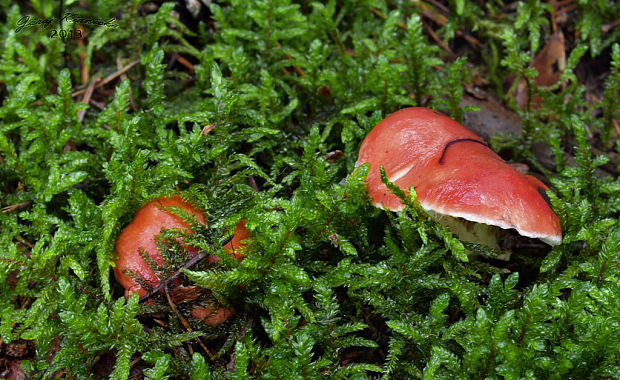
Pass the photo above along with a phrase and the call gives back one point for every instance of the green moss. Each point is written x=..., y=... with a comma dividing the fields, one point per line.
x=330, y=286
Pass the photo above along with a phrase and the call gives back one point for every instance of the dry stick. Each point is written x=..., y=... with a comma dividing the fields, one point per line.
x=173, y=59
x=298, y=70
x=333, y=156
x=182, y=60
x=123, y=77
x=87, y=95
x=161, y=323
x=208, y=128
x=24, y=241
x=110, y=77
x=440, y=19
x=430, y=31
x=193, y=261
x=253, y=182
x=84, y=74
x=559, y=7
x=607, y=27
x=439, y=5
x=184, y=322
x=437, y=39
x=400, y=24
x=97, y=104
x=17, y=206
x=554, y=16
x=9, y=261
x=135, y=361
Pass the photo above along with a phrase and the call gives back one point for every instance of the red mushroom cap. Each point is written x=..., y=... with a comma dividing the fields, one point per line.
x=140, y=234
x=454, y=173
x=213, y=315
x=237, y=246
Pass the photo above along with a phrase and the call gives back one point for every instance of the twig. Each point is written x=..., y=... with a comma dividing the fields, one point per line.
x=110, y=77
x=472, y=40
x=123, y=77
x=135, y=361
x=442, y=20
x=17, y=206
x=87, y=95
x=69, y=146
x=84, y=74
x=253, y=182
x=184, y=321
x=437, y=39
x=298, y=70
x=333, y=156
x=208, y=128
x=400, y=24
x=193, y=261
x=99, y=105
x=607, y=27
x=24, y=242
x=182, y=60
x=437, y=18
x=172, y=60
x=439, y=5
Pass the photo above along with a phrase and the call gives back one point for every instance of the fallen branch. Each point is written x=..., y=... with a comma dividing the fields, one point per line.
x=109, y=78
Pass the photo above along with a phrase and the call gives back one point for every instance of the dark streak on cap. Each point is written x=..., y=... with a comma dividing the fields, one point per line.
x=544, y=195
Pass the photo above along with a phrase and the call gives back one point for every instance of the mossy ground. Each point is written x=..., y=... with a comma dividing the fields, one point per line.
x=257, y=110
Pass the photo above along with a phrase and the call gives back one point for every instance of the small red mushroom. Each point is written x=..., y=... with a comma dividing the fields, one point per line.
x=140, y=235
x=212, y=315
x=236, y=246
x=454, y=173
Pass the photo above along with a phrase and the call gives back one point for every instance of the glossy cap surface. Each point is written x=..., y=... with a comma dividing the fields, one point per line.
x=140, y=234
x=454, y=173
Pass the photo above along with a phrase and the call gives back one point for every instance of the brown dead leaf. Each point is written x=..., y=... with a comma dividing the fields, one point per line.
x=11, y=369
x=549, y=63
x=551, y=60
x=492, y=119
x=207, y=128
x=333, y=156
x=11, y=356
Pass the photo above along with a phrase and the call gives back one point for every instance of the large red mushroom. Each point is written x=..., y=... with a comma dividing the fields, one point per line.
x=454, y=174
